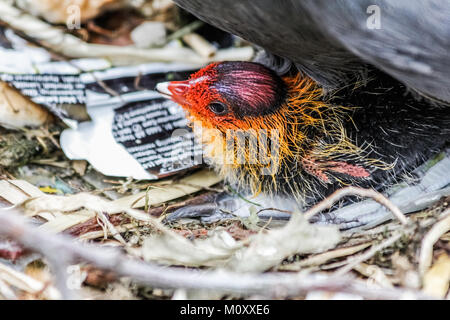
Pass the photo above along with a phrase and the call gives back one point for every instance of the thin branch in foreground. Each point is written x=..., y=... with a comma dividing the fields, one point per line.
x=356, y=191
x=63, y=250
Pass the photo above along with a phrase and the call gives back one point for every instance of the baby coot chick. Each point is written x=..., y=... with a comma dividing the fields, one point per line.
x=285, y=136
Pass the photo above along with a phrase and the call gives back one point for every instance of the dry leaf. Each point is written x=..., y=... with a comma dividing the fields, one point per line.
x=436, y=280
x=75, y=209
x=177, y=250
x=18, y=191
x=193, y=183
x=297, y=236
x=63, y=212
x=79, y=166
x=264, y=250
x=17, y=111
x=432, y=236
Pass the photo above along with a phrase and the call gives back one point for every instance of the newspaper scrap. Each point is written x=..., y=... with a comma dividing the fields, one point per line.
x=48, y=89
x=134, y=132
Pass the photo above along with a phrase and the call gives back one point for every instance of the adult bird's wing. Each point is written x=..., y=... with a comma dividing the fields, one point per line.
x=329, y=40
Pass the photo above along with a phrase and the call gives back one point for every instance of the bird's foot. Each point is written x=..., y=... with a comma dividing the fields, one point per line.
x=226, y=206
x=209, y=212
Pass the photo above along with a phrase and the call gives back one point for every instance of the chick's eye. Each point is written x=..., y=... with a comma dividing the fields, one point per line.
x=218, y=108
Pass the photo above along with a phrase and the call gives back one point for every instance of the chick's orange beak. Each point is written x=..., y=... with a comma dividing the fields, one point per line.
x=175, y=90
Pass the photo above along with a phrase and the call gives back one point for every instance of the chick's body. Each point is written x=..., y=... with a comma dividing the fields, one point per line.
x=284, y=136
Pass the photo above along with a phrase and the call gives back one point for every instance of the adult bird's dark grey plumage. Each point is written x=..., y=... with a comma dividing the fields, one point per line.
x=329, y=40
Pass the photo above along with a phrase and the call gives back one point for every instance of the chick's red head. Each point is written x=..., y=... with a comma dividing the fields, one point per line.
x=222, y=94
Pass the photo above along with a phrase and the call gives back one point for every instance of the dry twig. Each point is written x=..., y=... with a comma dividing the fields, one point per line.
x=322, y=258
x=354, y=261
x=355, y=191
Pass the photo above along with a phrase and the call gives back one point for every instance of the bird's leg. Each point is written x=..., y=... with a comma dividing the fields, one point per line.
x=227, y=206
x=216, y=210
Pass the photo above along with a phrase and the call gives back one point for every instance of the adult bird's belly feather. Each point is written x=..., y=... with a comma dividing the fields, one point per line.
x=331, y=40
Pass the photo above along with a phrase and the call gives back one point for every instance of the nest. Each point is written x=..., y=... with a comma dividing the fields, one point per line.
x=105, y=237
